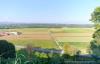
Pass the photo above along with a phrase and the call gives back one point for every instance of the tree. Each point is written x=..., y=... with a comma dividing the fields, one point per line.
x=7, y=49
x=70, y=50
x=95, y=17
x=95, y=43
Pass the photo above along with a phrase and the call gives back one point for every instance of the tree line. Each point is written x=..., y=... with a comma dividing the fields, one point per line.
x=32, y=25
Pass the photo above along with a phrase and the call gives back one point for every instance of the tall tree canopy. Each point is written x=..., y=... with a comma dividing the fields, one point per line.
x=95, y=17
x=95, y=43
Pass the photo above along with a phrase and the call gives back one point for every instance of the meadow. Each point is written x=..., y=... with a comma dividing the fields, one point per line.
x=45, y=37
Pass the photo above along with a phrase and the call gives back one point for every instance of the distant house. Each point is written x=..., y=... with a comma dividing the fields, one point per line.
x=9, y=33
x=14, y=33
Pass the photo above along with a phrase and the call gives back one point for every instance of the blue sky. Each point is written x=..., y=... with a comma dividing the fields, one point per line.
x=47, y=11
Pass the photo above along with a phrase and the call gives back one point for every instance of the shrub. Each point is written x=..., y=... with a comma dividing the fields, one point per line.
x=7, y=49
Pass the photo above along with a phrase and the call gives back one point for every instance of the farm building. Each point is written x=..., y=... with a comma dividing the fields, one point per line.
x=9, y=33
x=14, y=33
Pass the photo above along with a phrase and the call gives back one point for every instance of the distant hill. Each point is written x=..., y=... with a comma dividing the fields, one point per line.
x=42, y=25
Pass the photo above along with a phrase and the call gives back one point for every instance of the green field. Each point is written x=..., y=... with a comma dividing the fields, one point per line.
x=40, y=37
x=35, y=43
x=72, y=30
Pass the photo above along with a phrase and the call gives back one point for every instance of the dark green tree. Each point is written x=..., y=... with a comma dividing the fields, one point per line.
x=95, y=17
x=95, y=43
x=7, y=49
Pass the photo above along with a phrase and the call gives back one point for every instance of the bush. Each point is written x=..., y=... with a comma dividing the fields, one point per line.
x=7, y=49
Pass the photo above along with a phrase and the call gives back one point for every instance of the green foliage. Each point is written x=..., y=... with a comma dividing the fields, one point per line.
x=97, y=26
x=42, y=58
x=38, y=58
x=95, y=43
x=95, y=16
x=96, y=34
x=70, y=50
x=94, y=49
x=7, y=50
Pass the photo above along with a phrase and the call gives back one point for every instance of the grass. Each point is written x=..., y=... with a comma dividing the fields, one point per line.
x=72, y=30
x=39, y=37
x=76, y=44
x=73, y=39
x=82, y=46
x=35, y=43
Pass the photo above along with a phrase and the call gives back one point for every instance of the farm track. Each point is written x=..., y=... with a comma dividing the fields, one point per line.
x=55, y=41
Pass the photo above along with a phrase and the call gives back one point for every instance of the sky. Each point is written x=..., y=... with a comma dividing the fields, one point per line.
x=47, y=11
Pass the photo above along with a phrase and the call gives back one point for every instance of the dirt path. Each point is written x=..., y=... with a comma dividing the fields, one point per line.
x=53, y=38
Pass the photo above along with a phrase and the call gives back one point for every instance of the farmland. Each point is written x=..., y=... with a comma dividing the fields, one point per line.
x=45, y=37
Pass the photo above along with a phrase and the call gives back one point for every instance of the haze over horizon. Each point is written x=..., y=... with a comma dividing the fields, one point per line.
x=47, y=11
